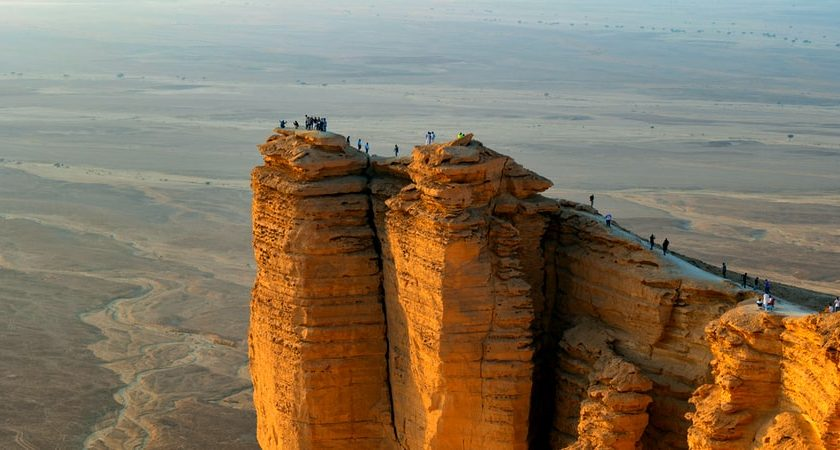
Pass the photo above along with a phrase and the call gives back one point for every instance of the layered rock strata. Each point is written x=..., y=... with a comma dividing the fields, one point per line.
x=776, y=383
x=438, y=301
x=317, y=337
x=459, y=305
x=653, y=309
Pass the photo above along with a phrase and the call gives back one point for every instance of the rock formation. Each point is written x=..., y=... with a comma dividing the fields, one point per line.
x=317, y=338
x=439, y=301
x=777, y=383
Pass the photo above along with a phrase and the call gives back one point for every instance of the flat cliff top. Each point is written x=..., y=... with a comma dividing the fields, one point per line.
x=308, y=155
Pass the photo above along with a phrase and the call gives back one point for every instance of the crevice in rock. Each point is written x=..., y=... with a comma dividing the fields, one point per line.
x=377, y=246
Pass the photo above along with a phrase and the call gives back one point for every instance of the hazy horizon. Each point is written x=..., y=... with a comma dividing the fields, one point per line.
x=128, y=131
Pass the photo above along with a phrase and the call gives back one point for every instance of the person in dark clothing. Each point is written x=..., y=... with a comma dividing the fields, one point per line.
x=297, y=125
x=396, y=151
x=665, y=244
x=755, y=283
x=359, y=144
x=592, y=200
x=608, y=220
x=282, y=123
x=766, y=286
x=744, y=280
x=348, y=139
x=367, y=148
x=652, y=239
x=723, y=270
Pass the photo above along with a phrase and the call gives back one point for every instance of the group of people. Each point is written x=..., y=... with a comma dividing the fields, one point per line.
x=310, y=123
x=834, y=306
x=359, y=145
x=766, y=302
x=665, y=244
x=430, y=137
x=315, y=123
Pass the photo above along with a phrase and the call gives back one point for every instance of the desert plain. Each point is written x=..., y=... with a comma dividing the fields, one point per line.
x=127, y=133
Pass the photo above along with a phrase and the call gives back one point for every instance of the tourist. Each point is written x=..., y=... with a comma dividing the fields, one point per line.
x=744, y=280
x=428, y=138
x=766, y=286
x=282, y=123
x=396, y=151
x=665, y=244
x=297, y=125
x=348, y=139
x=771, y=304
x=723, y=269
x=608, y=220
x=359, y=144
x=755, y=283
x=652, y=238
x=433, y=136
x=592, y=200
x=837, y=304
x=367, y=148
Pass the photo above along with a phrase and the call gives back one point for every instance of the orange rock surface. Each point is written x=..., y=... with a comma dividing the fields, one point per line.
x=651, y=309
x=317, y=336
x=437, y=301
x=459, y=306
x=776, y=384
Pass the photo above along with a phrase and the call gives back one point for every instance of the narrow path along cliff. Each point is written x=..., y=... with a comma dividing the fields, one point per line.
x=439, y=301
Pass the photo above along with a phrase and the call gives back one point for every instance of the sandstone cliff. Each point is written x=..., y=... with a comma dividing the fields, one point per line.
x=317, y=338
x=777, y=383
x=438, y=301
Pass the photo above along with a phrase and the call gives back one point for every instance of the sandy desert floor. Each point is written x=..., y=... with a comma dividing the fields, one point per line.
x=125, y=253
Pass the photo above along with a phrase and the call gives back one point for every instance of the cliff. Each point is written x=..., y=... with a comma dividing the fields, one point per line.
x=317, y=337
x=439, y=301
x=776, y=383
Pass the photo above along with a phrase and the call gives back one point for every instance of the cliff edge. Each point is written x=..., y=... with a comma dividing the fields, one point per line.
x=439, y=301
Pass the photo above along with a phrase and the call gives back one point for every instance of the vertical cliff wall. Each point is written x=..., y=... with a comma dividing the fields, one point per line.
x=776, y=383
x=650, y=309
x=459, y=305
x=438, y=301
x=317, y=337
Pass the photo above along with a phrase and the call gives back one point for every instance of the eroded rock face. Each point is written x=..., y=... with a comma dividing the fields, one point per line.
x=776, y=383
x=438, y=301
x=459, y=305
x=652, y=311
x=317, y=337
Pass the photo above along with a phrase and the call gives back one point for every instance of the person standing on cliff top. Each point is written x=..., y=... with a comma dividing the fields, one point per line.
x=608, y=220
x=652, y=239
x=282, y=123
x=433, y=136
x=296, y=124
x=723, y=269
x=428, y=140
x=592, y=200
x=367, y=148
x=766, y=286
x=396, y=151
x=665, y=244
x=359, y=144
x=755, y=283
x=744, y=280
